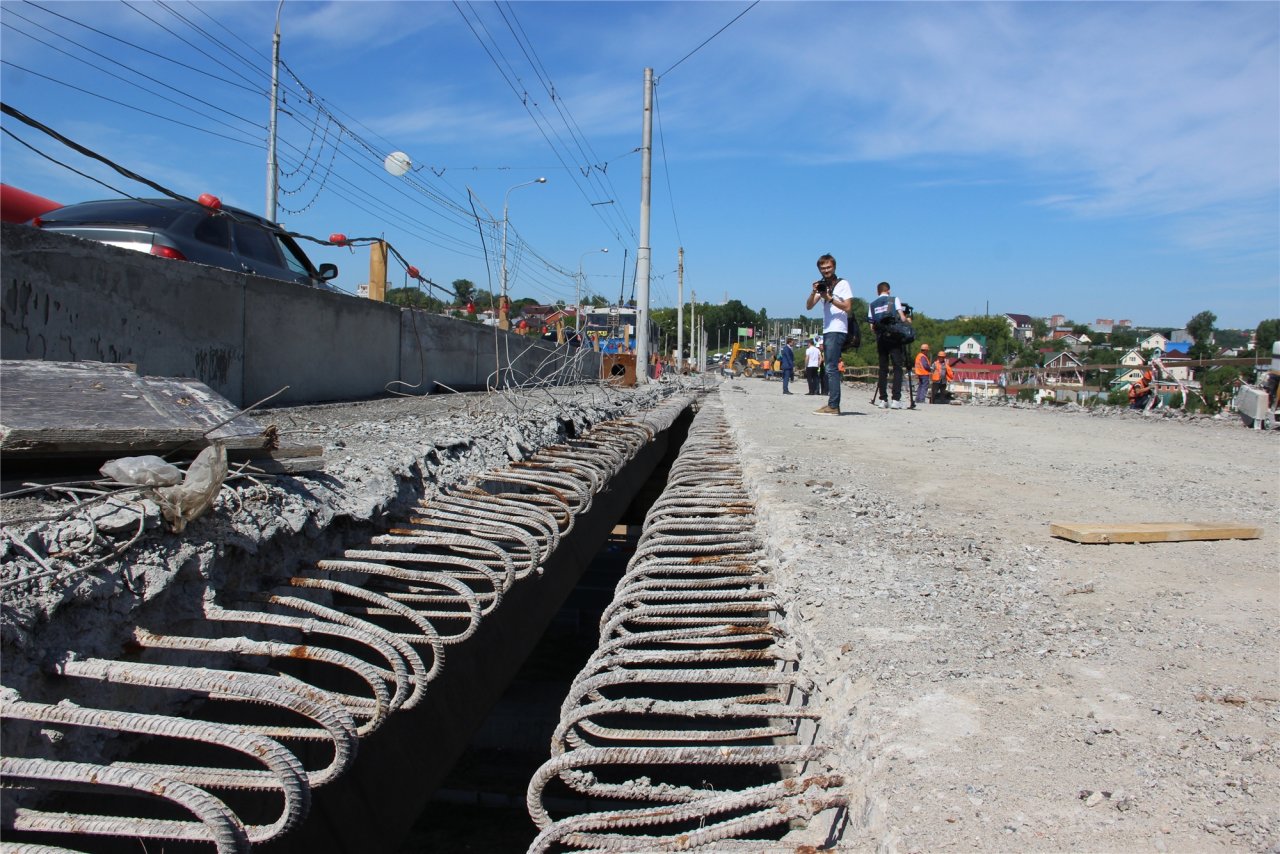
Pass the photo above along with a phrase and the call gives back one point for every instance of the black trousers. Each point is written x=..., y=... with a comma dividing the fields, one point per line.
x=811, y=377
x=890, y=352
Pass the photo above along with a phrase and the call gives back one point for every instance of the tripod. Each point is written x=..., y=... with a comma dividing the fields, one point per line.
x=908, y=377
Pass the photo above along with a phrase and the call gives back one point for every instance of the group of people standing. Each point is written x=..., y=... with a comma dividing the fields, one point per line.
x=886, y=314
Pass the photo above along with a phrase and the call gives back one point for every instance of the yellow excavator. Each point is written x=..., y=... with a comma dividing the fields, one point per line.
x=742, y=361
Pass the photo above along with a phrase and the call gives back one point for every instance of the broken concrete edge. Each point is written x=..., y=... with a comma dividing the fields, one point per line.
x=260, y=529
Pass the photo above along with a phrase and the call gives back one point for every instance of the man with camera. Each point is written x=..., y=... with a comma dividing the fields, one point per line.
x=885, y=313
x=836, y=296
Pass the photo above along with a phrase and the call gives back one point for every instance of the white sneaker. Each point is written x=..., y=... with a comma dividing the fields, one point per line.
x=880, y=404
x=897, y=404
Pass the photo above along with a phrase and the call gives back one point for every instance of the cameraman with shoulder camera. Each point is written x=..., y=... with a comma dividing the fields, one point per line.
x=836, y=296
x=883, y=312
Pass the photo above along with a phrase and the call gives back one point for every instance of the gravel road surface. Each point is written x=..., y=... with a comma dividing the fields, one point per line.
x=990, y=687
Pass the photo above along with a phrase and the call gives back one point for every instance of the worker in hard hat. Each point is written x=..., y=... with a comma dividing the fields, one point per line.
x=1140, y=392
x=922, y=369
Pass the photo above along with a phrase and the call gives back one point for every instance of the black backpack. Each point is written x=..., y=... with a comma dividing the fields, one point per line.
x=852, y=339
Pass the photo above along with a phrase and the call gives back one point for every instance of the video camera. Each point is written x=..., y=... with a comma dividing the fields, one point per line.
x=908, y=310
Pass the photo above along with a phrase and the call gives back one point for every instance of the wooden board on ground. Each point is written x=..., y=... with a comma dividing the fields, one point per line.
x=62, y=409
x=1152, y=532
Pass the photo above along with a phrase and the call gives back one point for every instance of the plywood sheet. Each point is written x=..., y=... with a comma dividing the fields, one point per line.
x=69, y=408
x=1152, y=532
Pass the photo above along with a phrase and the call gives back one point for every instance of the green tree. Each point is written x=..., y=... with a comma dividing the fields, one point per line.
x=1200, y=328
x=413, y=298
x=1123, y=337
x=465, y=289
x=1039, y=328
x=1268, y=333
x=996, y=329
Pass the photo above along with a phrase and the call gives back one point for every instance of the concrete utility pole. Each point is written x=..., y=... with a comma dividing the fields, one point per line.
x=693, y=329
x=272, y=168
x=642, y=251
x=680, y=312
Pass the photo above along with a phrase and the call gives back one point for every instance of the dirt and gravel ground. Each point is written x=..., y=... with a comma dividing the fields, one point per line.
x=986, y=686
x=990, y=687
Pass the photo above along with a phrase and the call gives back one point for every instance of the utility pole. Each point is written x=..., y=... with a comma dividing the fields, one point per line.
x=642, y=251
x=272, y=167
x=693, y=329
x=680, y=311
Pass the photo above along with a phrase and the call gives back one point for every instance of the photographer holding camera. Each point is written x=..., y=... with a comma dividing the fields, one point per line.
x=836, y=296
x=884, y=312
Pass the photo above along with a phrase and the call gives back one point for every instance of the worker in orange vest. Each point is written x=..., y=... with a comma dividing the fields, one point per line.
x=1141, y=391
x=923, y=368
x=941, y=375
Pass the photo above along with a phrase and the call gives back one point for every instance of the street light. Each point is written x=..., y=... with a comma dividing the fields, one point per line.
x=577, y=315
x=506, y=199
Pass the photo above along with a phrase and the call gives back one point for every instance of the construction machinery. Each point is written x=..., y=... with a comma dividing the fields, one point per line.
x=742, y=362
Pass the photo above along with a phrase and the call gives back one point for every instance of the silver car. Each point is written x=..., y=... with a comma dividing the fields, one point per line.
x=224, y=237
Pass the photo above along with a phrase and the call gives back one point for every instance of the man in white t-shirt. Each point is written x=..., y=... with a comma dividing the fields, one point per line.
x=836, y=296
x=812, y=361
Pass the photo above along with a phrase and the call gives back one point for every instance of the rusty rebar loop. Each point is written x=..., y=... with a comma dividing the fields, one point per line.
x=334, y=723
x=374, y=710
x=414, y=585
x=781, y=798
x=385, y=606
x=215, y=823
x=282, y=771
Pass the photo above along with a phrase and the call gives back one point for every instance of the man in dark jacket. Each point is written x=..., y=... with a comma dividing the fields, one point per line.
x=787, y=365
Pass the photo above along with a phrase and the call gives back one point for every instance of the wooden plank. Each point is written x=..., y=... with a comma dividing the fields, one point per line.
x=1152, y=532
x=95, y=408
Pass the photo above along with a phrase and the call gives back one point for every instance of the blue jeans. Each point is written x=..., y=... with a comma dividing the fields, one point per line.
x=832, y=342
x=922, y=390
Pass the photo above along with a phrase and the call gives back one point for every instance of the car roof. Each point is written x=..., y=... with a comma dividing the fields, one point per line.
x=128, y=204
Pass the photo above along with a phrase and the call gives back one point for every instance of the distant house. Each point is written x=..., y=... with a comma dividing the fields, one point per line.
x=978, y=379
x=1064, y=367
x=1022, y=327
x=1154, y=341
x=1180, y=336
x=1183, y=347
x=966, y=345
x=1174, y=365
x=1133, y=358
x=1126, y=377
x=1057, y=320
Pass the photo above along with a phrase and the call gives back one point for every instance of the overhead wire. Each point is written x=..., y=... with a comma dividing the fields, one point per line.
x=489, y=47
x=336, y=136
x=249, y=87
x=710, y=38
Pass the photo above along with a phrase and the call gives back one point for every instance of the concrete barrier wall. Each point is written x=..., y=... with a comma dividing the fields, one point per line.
x=246, y=337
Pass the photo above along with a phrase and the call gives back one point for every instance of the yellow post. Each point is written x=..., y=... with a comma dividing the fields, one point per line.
x=378, y=271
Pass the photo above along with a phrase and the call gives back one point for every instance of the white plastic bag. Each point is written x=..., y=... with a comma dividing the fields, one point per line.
x=147, y=470
x=191, y=498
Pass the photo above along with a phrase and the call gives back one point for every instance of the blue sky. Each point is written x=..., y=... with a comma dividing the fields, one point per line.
x=1094, y=160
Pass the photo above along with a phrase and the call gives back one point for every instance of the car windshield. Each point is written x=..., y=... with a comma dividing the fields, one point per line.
x=115, y=212
x=293, y=256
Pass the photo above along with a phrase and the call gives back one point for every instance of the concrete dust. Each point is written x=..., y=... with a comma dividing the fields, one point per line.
x=990, y=687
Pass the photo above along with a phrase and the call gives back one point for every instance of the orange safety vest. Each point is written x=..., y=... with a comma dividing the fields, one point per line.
x=937, y=371
x=922, y=365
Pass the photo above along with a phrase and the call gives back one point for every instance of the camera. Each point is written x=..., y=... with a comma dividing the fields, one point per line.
x=822, y=286
x=908, y=310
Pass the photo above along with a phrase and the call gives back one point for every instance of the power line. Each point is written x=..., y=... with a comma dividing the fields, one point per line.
x=712, y=36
